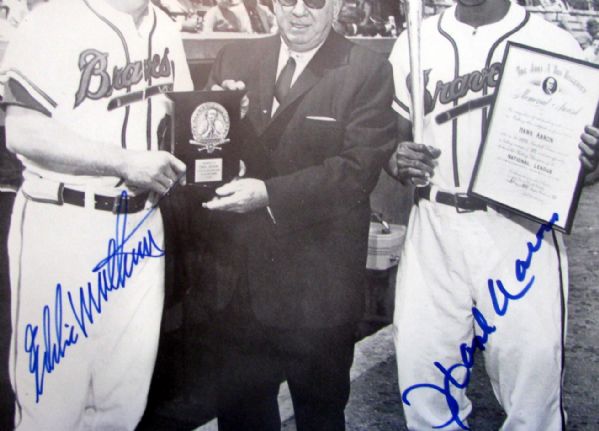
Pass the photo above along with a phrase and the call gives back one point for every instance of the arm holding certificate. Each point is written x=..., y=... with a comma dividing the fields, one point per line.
x=474, y=275
x=531, y=161
x=589, y=149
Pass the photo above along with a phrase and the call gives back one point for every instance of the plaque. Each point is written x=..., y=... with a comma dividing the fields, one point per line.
x=205, y=135
x=529, y=160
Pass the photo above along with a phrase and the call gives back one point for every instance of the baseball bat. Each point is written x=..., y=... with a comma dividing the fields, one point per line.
x=413, y=10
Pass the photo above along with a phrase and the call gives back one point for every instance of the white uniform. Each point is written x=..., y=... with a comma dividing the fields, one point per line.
x=449, y=256
x=85, y=334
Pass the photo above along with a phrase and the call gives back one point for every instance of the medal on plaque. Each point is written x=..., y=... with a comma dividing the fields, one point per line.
x=206, y=135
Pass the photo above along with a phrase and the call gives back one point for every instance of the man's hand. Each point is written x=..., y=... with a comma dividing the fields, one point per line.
x=589, y=148
x=413, y=163
x=240, y=196
x=229, y=84
x=152, y=170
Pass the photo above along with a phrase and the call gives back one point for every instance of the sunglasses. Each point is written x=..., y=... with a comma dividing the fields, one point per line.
x=312, y=4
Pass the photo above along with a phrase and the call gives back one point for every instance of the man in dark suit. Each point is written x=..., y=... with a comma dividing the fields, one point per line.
x=289, y=240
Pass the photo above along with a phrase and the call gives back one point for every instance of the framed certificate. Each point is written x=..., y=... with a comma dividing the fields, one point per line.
x=528, y=162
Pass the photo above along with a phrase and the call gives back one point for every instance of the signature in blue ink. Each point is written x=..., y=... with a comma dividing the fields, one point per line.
x=500, y=297
x=111, y=273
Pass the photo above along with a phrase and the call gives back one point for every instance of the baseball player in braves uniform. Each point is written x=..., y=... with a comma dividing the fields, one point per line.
x=84, y=83
x=455, y=243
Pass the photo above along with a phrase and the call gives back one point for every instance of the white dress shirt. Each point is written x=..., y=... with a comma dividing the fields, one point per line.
x=301, y=61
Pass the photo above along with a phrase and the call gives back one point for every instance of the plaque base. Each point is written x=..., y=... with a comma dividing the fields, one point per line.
x=205, y=135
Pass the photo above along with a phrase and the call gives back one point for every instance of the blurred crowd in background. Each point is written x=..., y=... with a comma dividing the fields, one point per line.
x=370, y=18
x=12, y=13
x=357, y=17
x=374, y=18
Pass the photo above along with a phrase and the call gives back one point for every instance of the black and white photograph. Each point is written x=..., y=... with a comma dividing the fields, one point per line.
x=299, y=215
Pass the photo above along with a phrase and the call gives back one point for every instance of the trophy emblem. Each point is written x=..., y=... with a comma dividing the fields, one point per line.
x=210, y=127
x=205, y=135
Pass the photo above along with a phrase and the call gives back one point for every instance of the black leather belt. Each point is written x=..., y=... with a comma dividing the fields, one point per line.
x=114, y=204
x=461, y=201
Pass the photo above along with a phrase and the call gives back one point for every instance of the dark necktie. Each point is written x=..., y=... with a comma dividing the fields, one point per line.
x=255, y=20
x=283, y=83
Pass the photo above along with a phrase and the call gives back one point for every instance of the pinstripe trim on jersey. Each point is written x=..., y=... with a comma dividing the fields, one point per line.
x=502, y=38
x=454, y=122
x=124, y=128
x=113, y=28
x=16, y=95
x=149, y=110
x=488, y=63
x=128, y=60
x=174, y=67
x=563, y=311
x=398, y=103
x=33, y=90
x=17, y=283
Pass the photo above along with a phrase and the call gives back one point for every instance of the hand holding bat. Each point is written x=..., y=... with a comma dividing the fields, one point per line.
x=414, y=163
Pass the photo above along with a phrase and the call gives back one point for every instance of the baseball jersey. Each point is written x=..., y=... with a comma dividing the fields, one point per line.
x=101, y=76
x=462, y=66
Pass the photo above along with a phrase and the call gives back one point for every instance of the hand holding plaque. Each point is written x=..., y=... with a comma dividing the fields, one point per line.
x=206, y=135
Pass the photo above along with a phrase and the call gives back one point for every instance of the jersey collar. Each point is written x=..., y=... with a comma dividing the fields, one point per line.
x=514, y=17
x=122, y=19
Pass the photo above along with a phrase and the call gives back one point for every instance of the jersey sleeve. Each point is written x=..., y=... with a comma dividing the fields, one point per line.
x=32, y=70
x=399, y=59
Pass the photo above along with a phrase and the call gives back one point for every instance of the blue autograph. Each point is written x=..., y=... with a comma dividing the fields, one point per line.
x=500, y=298
x=112, y=273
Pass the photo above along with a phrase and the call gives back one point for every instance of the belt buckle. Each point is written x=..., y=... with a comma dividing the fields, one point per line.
x=456, y=197
x=120, y=204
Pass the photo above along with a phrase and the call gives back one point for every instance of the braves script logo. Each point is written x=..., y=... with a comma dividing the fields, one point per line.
x=449, y=92
x=93, y=65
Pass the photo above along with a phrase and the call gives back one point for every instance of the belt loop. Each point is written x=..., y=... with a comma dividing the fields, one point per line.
x=89, y=198
x=433, y=193
x=423, y=193
x=60, y=194
x=120, y=204
x=150, y=200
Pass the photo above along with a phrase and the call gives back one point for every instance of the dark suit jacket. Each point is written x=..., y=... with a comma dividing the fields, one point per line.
x=308, y=269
